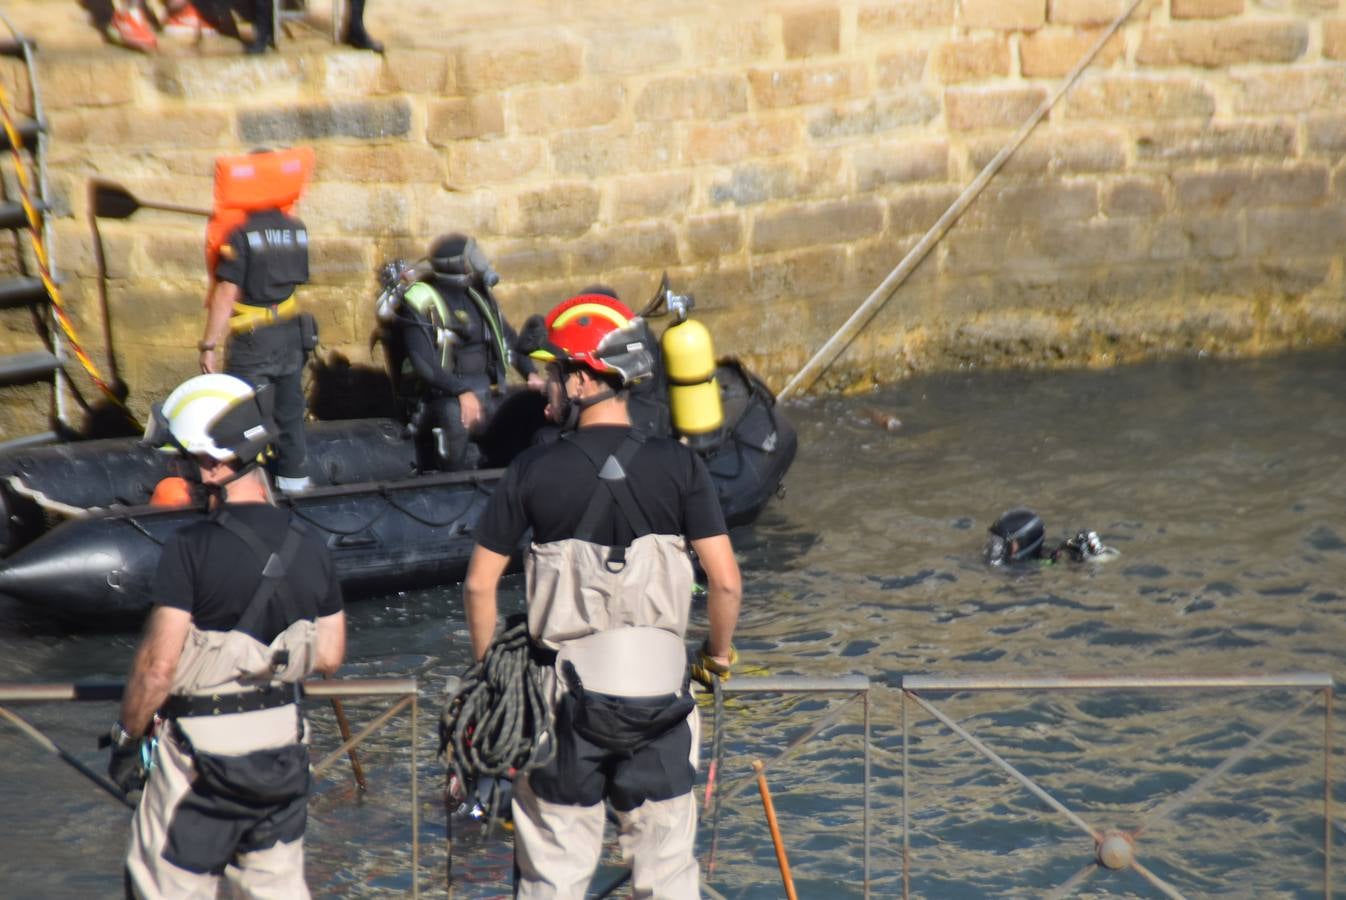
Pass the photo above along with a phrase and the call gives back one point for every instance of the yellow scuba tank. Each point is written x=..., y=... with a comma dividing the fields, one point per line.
x=693, y=392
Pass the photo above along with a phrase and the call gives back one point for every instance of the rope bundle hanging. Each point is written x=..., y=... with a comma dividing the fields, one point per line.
x=494, y=723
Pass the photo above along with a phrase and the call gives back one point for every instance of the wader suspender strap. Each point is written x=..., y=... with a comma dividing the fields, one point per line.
x=273, y=584
x=274, y=569
x=612, y=473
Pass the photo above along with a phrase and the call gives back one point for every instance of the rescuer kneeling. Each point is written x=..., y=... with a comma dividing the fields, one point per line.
x=609, y=586
x=247, y=605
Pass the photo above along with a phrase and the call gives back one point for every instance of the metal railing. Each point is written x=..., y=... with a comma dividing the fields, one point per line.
x=856, y=686
x=404, y=689
x=1115, y=849
x=405, y=692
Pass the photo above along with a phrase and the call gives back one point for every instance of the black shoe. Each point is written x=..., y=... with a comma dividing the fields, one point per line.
x=258, y=47
x=361, y=40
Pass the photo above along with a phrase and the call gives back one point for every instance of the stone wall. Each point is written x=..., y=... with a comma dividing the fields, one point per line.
x=778, y=159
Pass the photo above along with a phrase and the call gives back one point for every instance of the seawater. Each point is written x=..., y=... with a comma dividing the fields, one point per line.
x=1220, y=482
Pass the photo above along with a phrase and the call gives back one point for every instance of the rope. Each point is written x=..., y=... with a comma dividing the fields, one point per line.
x=874, y=302
x=43, y=261
x=428, y=522
x=496, y=723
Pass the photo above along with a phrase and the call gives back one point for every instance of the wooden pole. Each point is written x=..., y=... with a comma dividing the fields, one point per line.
x=781, y=858
x=344, y=726
x=874, y=302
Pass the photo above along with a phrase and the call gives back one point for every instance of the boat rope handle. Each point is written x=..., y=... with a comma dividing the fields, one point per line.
x=43, y=264
x=365, y=525
x=424, y=520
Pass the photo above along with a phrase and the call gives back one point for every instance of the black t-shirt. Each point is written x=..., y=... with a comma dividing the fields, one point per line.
x=213, y=575
x=266, y=257
x=548, y=488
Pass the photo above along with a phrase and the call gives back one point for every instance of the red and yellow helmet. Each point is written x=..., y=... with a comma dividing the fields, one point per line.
x=599, y=332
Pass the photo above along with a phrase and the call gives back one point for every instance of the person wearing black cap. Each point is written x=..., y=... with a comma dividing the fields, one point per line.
x=1019, y=536
x=451, y=346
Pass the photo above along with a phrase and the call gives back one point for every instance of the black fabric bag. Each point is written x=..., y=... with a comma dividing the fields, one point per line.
x=262, y=777
x=239, y=804
x=621, y=724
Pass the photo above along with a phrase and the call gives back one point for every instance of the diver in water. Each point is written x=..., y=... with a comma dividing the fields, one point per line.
x=1019, y=536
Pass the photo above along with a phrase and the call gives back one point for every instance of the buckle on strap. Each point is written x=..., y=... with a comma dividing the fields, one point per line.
x=638, y=661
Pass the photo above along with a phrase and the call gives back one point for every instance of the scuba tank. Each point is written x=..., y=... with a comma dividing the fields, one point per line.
x=693, y=392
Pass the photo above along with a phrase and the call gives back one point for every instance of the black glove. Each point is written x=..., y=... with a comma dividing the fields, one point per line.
x=125, y=768
x=706, y=667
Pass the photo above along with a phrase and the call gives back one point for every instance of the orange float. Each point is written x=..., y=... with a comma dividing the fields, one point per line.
x=272, y=179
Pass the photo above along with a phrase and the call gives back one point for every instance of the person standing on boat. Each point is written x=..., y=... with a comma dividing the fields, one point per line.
x=609, y=581
x=451, y=348
x=247, y=605
x=260, y=264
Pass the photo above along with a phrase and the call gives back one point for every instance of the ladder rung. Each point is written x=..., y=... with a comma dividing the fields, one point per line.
x=29, y=440
x=11, y=47
x=13, y=216
x=22, y=368
x=28, y=131
x=22, y=292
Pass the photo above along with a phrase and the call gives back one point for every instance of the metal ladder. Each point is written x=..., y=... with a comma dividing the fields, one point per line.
x=44, y=362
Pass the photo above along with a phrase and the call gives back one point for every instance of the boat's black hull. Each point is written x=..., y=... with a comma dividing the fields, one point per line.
x=122, y=472
x=383, y=535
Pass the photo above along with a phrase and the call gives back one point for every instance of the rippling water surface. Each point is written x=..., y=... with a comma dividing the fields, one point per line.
x=1220, y=482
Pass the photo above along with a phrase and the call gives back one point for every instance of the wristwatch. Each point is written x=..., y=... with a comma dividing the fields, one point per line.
x=120, y=737
x=203, y=346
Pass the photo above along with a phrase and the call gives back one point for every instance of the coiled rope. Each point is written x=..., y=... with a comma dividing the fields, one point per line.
x=495, y=723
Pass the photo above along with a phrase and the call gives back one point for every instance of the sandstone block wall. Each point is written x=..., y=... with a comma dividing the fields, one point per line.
x=778, y=159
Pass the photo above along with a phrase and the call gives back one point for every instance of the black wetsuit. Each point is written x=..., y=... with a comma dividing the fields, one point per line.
x=480, y=357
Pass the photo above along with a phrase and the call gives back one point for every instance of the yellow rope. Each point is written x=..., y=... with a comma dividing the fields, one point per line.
x=44, y=267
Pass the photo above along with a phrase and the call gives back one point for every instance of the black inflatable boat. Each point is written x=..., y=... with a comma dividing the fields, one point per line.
x=78, y=540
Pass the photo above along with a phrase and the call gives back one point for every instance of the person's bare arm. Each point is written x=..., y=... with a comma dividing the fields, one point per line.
x=155, y=662
x=724, y=592
x=219, y=306
x=479, y=603
x=331, y=643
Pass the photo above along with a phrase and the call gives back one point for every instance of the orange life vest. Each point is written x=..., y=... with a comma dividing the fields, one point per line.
x=254, y=181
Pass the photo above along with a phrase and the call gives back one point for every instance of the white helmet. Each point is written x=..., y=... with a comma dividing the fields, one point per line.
x=219, y=416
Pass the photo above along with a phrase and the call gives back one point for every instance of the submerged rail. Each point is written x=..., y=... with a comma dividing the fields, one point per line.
x=404, y=691
x=1115, y=849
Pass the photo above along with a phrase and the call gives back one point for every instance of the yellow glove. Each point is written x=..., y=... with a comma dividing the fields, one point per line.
x=707, y=667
